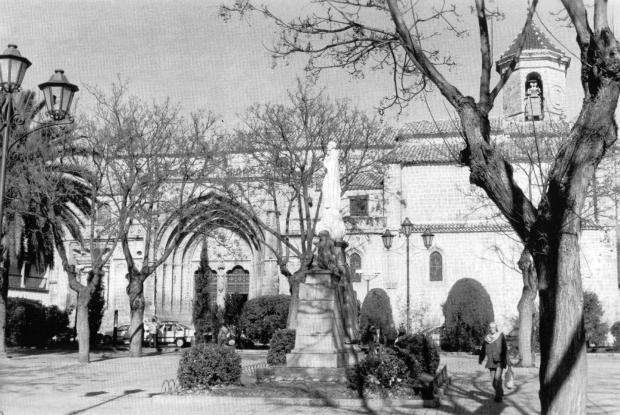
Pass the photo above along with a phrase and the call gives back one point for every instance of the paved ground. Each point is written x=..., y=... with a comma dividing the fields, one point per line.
x=53, y=383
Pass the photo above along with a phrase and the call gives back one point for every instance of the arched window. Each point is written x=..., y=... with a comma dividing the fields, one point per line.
x=237, y=281
x=436, y=267
x=534, y=97
x=355, y=263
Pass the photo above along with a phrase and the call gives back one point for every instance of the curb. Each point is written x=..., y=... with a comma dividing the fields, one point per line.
x=310, y=402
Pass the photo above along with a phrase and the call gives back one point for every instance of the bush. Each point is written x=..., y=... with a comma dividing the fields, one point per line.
x=205, y=365
x=233, y=305
x=262, y=316
x=419, y=353
x=205, y=319
x=615, y=331
x=376, y=312
x=30, y=323
x=596, y=330
x=282, y=342
x=383, y=370
x=467, y=312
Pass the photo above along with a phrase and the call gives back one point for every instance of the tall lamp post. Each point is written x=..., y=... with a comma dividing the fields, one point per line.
x=406, y=229
x=58, y=93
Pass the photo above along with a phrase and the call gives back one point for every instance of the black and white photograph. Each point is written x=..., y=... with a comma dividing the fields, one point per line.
x=309, y=207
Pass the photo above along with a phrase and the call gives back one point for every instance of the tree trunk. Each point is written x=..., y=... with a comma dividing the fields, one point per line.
x=294, y=305
x=135, y=291
x=82, y=327
x=3, y=310
x=526, y=309
x=4, y=295
x=563, y=369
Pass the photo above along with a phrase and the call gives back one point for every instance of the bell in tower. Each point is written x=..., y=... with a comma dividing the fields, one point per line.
x=535, y=89
x=534, y=99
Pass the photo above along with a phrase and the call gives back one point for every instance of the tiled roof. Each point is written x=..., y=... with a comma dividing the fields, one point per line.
x=452, y=128
x=417, y=146
x=534, y=39
x=367, y=181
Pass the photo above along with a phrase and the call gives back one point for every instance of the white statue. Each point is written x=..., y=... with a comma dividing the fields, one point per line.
x=330, y=218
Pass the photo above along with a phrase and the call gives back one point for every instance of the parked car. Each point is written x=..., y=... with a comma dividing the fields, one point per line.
x=171, y=332
x=122, y=335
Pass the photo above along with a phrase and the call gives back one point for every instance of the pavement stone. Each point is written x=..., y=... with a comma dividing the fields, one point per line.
x=54, y=383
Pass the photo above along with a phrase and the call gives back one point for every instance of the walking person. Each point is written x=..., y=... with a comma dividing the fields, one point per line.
x=494, y=349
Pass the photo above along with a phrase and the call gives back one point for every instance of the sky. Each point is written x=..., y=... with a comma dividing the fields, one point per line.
x=182, y=49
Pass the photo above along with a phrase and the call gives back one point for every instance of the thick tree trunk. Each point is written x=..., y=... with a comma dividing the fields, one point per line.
x=3, y=311
x=526, y=309
x=135, y=291
x=82, y=327
x=563, y=369
x=4, y=295
x=294, y=305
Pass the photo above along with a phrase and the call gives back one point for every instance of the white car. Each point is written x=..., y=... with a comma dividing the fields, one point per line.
x=172, y=332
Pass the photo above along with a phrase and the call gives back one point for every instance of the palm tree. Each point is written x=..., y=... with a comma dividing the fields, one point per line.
x=47, y=195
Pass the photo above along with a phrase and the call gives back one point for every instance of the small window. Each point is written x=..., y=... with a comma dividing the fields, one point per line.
x=358, y=205
x=436, y=267
x=355, y=261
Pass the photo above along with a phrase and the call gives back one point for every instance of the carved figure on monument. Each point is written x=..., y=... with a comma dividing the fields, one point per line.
x=326, y=255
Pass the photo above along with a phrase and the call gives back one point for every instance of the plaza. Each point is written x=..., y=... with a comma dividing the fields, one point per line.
x=54, y=384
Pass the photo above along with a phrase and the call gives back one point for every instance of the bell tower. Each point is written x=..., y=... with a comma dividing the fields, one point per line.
x=536, y=89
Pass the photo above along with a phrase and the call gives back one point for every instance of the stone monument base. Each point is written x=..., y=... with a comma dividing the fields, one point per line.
x=302, y=374
x=320, y=333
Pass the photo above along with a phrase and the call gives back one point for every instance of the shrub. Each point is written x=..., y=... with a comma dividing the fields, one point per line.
x=376, y=311
x=262, y=316
x=419, y=353
x=467, y=312
x=206, y=319
x=233, y=305
x=596, y=330
x=205, y=365
x=383, y=370
x=30, y=323
x=615, y=331
x=282, y=342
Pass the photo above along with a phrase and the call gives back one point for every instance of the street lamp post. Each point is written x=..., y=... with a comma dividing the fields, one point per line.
x=58, y=93
x=406, y=229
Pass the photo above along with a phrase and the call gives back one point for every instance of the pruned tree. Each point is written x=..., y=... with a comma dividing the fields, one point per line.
x=351, y=34
x=278, y=183
x=158, y=160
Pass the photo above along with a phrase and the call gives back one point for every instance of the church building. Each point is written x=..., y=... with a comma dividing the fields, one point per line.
x=423, y=187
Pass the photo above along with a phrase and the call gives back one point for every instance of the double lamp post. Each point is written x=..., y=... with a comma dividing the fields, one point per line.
x=406, y=228
x=58, y=93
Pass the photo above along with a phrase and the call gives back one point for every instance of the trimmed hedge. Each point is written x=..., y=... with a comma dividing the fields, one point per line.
x=205, y=365
x=30, y=323
x=615, y=331
x=377, y=311
x=282, y=342
x=262, y=316
x=596, y=330
x=468, y=310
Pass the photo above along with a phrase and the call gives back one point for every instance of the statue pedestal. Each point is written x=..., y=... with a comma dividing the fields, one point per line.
x=320, y=334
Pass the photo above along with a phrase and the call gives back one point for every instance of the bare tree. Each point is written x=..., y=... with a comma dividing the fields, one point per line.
x=157, y=163
x=283, y=147
x=351, y=33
